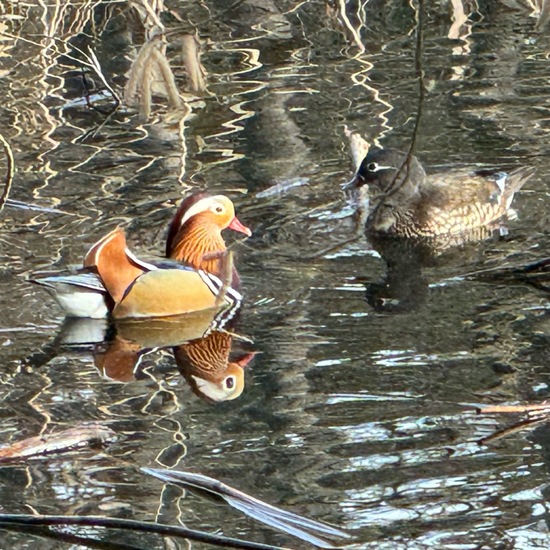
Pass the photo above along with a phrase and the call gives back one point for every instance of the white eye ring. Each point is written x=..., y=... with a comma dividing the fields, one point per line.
x=218, y=209
x=375, y=167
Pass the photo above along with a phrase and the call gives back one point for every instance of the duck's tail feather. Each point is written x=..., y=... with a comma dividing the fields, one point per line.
x=514, y=182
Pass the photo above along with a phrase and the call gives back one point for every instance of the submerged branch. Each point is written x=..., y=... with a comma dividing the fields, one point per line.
x=311, y=531
x=537, y=413
x=68, y=538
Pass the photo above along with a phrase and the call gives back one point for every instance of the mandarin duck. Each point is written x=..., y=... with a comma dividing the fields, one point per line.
x=194, y=238
x=143, y=290
x=402, y=200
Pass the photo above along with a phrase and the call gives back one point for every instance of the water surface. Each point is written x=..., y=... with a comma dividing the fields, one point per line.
x=355, y=412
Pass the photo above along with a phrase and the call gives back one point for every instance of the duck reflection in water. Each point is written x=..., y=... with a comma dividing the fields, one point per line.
x=202, y=343
x=411, y=217
x=205, y=364
x=404, y=288
x=202, y=346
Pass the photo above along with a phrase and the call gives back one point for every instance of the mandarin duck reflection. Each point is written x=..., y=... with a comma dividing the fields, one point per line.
x=119, y=357
x=206, y=366
x=113, y=274
x=401, y=199
x=204, y=361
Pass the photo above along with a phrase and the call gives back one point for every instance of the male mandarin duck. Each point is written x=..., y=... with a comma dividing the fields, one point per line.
x=195, y=233
x=141, y=289
x=194, y=238
x=402, y=200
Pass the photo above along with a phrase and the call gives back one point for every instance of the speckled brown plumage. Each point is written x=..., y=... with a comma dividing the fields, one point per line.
x=402, y=200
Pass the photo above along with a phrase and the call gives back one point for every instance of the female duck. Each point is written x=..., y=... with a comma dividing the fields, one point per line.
x=402, y=200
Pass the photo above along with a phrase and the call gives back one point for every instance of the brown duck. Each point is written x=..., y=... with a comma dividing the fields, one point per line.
x=401, y=199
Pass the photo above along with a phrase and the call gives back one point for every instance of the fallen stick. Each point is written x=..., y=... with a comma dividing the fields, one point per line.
x=540, y=407
x=134, y=525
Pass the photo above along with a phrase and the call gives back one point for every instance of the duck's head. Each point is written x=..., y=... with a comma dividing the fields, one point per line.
x=387, y=173
x=224, y=386
x=215, y=210
x=205, y=365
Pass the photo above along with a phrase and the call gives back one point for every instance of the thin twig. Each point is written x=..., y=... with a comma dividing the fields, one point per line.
x=392, y=189
x=515, y=408
x=226, y=276
x=10, y=172
x=517, y=427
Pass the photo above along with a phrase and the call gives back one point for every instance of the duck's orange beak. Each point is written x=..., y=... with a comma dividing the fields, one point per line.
x=236, y=225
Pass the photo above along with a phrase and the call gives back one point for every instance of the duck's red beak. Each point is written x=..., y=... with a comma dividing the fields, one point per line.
x=236, y=225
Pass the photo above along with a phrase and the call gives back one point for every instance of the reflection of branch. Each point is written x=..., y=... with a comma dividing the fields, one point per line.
x=544, y=16
x=190, y=53
x=139, y=81
x=10, y=172
x=151, y=12
x=150, y=63
x=354, y=32
x=168, y=79
x=459, y=18
x=94, y=63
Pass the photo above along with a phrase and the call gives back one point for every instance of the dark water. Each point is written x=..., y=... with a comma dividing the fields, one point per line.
x=355, y=412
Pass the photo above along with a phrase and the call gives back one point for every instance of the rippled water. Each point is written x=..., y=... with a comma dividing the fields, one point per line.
x=355, y=412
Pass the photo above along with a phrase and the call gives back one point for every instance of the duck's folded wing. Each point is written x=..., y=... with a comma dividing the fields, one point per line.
x=167, y=292
x=458, y=202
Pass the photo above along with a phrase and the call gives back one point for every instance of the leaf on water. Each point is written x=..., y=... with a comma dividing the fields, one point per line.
x=359, y=147
x=59, y=442
x=288, y=522
x=283, y=187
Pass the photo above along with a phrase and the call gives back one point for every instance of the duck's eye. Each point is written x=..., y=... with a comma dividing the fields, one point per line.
x=372, y=167
x=230, y=382
x=219, y=209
